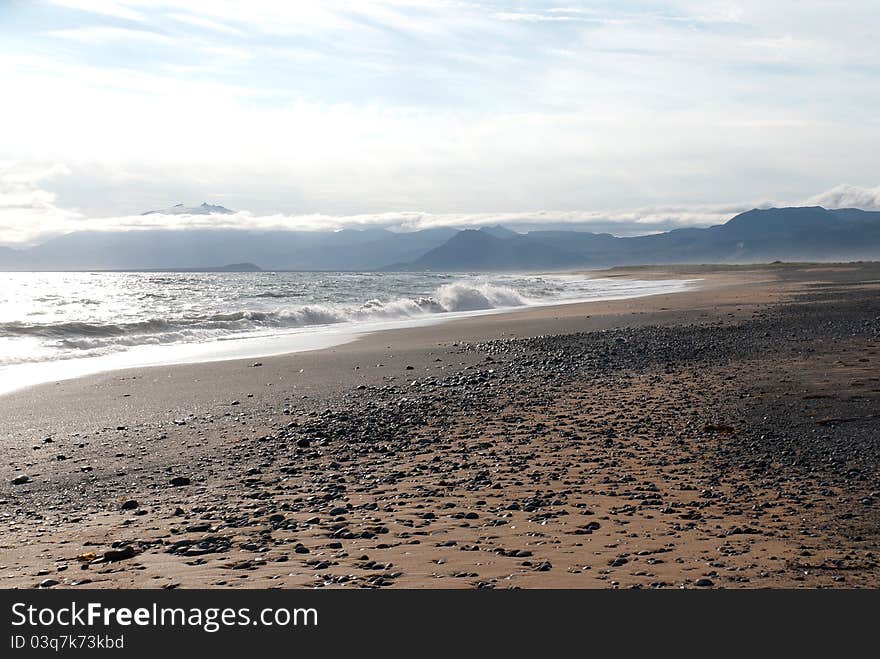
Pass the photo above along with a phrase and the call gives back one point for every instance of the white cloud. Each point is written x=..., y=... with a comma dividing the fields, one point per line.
x=97, y=34
x=350, y=110
x=43, y=223
x=206, y=23
x=524, y=17
x=848, y=196
x=110, y=8
x=29, y=213
x=27, y=210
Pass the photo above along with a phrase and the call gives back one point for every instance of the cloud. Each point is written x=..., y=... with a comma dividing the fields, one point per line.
x=646, y=220
x=346, y=109
x=109, y=8
x=848, y=196
x=523, y=17
x=206, y=23
x=99, y=34
x=27, y=211
x=29, y=214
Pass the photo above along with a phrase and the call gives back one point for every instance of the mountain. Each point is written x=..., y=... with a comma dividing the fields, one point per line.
x=804, y=234
x=499, y=231
x=482, y=250
x=9, y=258
x=152, y=249
x=799, y=233
x=202, y=209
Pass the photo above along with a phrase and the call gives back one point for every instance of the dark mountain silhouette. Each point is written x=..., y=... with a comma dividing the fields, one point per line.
x=482, y=250
x=499, y=231
x=802, y=233
x=350, y=249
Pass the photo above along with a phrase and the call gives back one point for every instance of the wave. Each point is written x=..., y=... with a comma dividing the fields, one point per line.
x=282, y=294
x=468, y=297
x=92, y=337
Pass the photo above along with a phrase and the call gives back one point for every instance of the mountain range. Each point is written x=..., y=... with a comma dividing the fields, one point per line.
x=759, y=235
x=791, y=234
x=153, y=249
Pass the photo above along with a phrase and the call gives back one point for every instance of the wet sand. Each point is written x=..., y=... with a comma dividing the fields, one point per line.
x=724, y=437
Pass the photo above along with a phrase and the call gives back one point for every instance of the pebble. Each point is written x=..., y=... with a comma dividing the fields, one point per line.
x=121, y=554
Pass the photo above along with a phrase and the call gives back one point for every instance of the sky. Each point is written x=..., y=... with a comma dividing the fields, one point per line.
x=636, y=115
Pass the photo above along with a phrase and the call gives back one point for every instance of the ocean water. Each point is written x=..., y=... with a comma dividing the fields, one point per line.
x=58, y=325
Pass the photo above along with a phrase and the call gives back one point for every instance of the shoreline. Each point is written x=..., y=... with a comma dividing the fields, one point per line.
x=16, y=377
x=557, y=441
x=318, y=371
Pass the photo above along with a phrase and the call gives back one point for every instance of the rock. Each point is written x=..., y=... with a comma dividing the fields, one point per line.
x=48, y=583
x=303, y=443
x=704, y=583
x=131, y=504
x=207, y=545
x=120, y=554
x=180, y=481
x=723, y=428
x=21, y=480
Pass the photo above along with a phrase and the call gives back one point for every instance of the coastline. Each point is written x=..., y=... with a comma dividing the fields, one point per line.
x=273, y=341
x=227, y=427
x=197, y=383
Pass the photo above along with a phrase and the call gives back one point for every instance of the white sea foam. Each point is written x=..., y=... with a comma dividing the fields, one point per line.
x=84, y=338
x=140, y=318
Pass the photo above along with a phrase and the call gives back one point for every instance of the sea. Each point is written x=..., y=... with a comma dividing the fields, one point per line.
x=59, y=325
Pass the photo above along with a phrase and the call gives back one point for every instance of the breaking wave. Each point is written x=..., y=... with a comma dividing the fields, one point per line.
x=93, y=338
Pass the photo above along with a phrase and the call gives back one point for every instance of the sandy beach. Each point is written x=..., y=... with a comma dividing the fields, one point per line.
x=722, y=437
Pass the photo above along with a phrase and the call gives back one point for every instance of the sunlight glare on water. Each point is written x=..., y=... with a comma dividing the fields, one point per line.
x=115, y=319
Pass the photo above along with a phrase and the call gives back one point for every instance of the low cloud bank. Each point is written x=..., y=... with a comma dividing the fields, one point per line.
x=29, y=214
x=848, y=196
